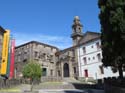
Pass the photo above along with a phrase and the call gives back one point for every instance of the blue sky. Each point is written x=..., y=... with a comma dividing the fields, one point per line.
x=47, y=21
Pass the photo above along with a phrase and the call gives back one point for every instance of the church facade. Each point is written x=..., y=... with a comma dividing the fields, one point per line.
x=54, y=62
x=82, y=60
x=67, y=59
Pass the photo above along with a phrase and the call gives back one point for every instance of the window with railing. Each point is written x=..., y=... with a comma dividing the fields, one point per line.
x=98, y=45
x=84, y=50
x=101, y=69
x=84, y=60
x=99, y=57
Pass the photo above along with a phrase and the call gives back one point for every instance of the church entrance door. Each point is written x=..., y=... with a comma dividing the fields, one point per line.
x=66, y=70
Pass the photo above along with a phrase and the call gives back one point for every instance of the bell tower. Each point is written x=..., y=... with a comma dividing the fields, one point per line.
x=76, y=30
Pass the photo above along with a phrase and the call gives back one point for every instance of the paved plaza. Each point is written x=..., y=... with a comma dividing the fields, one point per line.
x=64, y=87
x=54, y=87
x=70, y=91
x=61, y=91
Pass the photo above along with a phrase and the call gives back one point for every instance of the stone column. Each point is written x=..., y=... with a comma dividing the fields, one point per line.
x=70, y=68
x=62, y=69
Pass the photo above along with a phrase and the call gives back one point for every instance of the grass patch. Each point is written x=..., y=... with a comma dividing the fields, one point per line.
x=51, y=83
x=10, y=90
x=15, y=89
x=47, y=84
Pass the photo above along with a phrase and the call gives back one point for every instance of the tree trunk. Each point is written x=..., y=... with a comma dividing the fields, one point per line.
x=120, y=71
x=31, y=85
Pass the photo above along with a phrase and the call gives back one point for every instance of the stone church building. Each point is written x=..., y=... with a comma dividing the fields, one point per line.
x=36, y=51
x=67, y=63
x=54, y=62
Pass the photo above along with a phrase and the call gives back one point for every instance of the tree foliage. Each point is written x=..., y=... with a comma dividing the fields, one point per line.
x=32, y=70
x=112, y=19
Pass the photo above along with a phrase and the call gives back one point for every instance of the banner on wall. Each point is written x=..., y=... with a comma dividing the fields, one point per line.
x=3, y=70
x=11, y=74
x=9, y=58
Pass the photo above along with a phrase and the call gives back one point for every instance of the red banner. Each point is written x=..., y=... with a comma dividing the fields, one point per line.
x=12, y=58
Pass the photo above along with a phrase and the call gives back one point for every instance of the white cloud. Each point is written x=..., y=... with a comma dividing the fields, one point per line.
x=58, y=41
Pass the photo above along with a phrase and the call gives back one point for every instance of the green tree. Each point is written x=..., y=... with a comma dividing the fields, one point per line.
x=33, y=71
x=112, y=19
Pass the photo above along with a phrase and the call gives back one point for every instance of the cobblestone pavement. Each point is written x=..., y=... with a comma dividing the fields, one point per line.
x=69, y=91
x=54, y=87
x=61, y=88
x=61, y=91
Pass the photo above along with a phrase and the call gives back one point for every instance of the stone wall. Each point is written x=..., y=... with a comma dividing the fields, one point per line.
x=9, y=83
x=14, y=82
x=51, y=79
x=36, y=51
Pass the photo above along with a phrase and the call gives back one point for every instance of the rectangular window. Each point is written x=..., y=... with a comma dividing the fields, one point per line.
x=101, y=69
x=97, y=45
x=85, y=61
x=25, y=60
x=44, y=56
x=99, y=57
x=44, y=71
x=84, y=50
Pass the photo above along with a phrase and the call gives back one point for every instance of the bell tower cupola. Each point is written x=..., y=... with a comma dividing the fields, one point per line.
x=76, y=30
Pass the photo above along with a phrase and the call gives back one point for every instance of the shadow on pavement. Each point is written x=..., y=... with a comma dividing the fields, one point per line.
x=88, y=86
